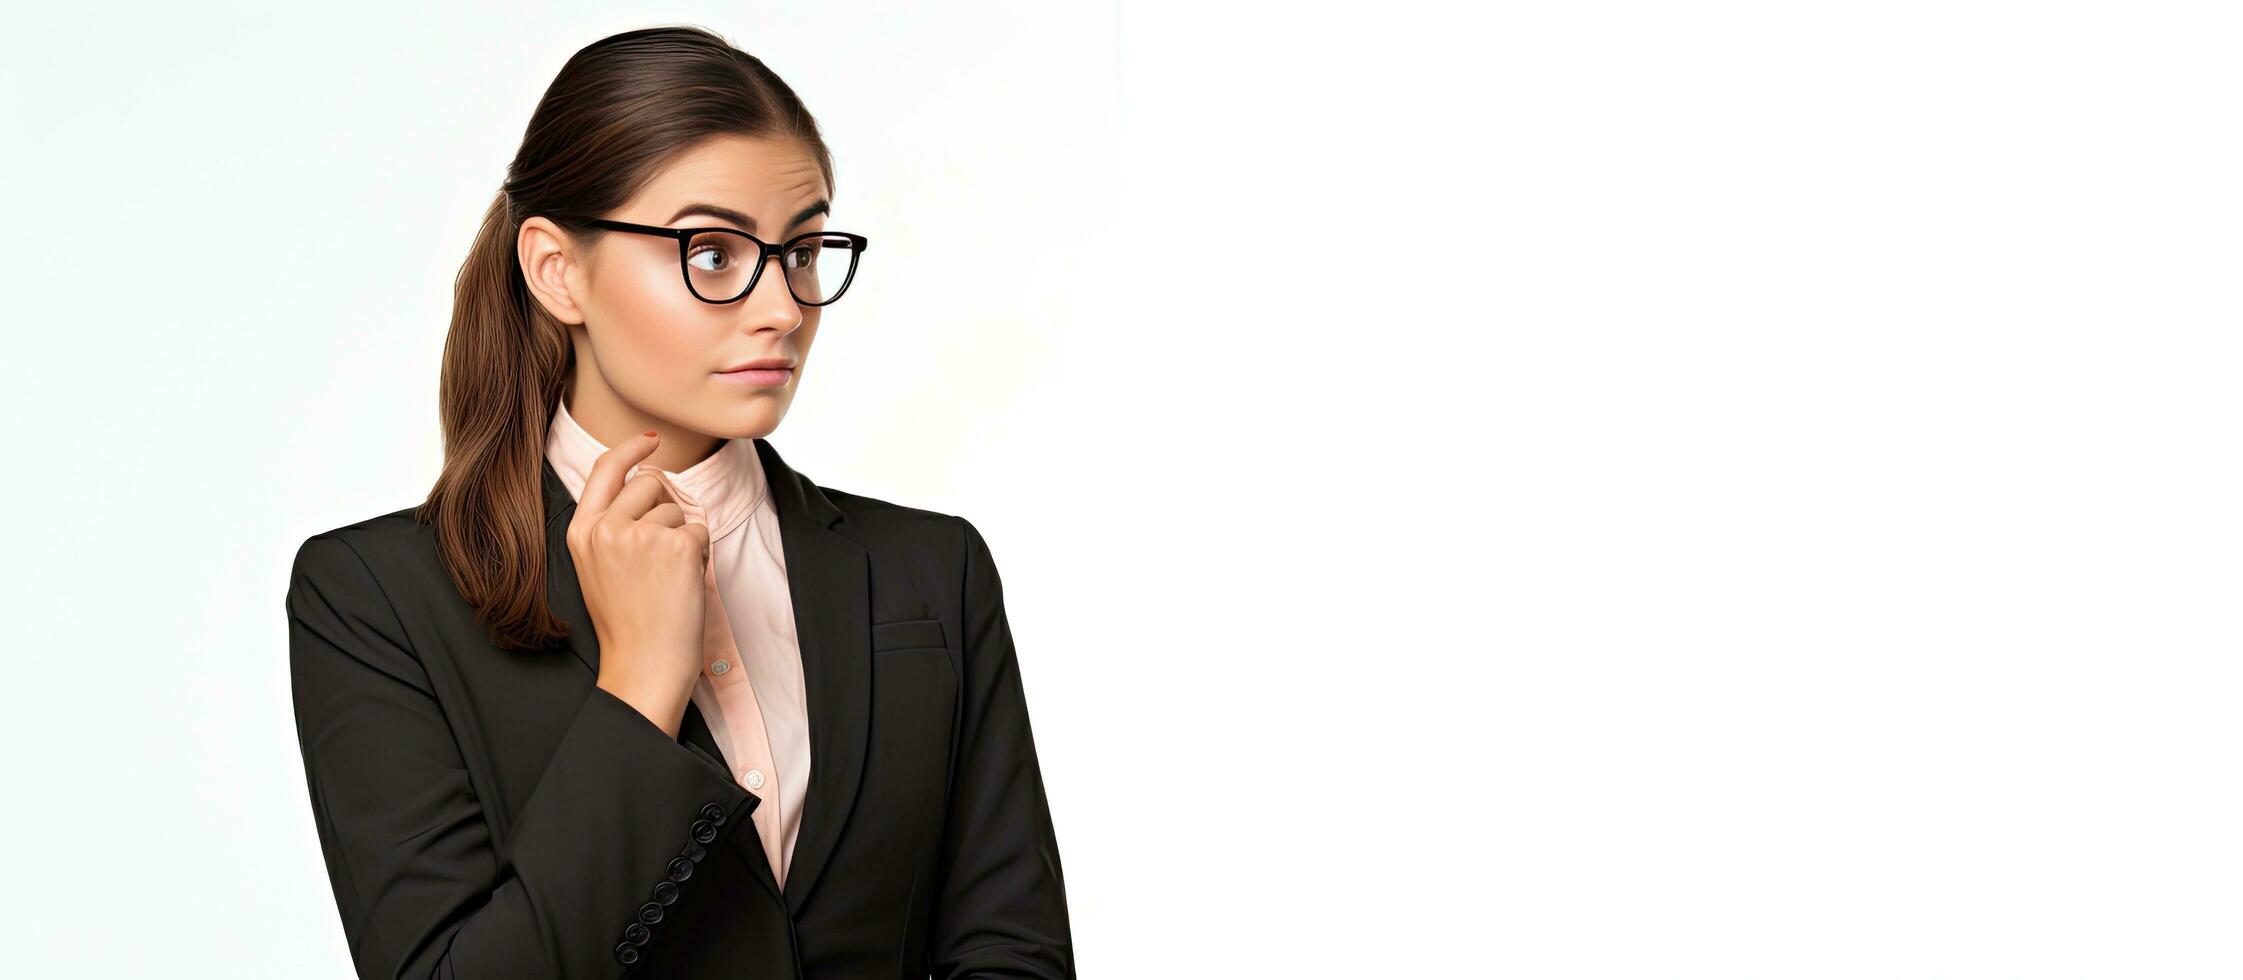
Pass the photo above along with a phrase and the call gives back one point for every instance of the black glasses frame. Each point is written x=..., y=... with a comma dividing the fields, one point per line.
x=765, y=252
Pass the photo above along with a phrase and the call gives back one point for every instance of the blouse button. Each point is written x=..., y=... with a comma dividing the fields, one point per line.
x=720, y=667
x=754, y=778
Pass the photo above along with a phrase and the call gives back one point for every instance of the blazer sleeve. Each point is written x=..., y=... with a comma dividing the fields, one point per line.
x=607, y=840
x=1001, y=907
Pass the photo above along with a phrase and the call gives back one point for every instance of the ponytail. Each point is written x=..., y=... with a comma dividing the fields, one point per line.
x=505, y=361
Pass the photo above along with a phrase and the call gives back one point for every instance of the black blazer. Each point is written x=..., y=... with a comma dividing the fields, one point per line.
x=491, y=814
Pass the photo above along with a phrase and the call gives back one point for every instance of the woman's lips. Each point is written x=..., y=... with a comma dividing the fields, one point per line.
x=758, y=376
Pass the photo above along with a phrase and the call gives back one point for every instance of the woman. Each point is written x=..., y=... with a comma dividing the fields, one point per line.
x=627, y=695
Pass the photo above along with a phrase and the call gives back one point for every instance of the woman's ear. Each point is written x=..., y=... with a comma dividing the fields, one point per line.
x=550, y=267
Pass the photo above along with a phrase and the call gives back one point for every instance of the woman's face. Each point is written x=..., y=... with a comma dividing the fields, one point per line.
x=648, y=353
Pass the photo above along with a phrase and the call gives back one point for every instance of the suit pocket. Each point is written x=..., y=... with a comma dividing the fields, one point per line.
x=908, y=634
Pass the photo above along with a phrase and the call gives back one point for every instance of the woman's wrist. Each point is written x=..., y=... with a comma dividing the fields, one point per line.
x=661, y=700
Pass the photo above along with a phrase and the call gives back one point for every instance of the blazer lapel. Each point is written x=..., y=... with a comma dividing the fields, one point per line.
x=829, y=586
x=829, y=579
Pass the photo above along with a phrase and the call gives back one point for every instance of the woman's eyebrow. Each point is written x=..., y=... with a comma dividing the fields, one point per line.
x=723, y=213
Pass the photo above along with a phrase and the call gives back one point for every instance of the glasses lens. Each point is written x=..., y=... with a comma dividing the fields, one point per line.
x=819, y=267
x=718, y=264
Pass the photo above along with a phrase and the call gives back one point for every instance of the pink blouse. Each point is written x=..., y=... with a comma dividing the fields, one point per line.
x=750, y=688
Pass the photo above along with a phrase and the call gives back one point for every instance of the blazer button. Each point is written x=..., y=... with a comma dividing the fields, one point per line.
x=636, y=934
x=665, y=892
x=694, y=852
x=704, y=831
x=712, y=813
x=650, y=913
x=626, y=952
x=680, y=869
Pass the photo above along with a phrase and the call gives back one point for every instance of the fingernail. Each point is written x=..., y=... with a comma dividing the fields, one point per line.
x=651, y=432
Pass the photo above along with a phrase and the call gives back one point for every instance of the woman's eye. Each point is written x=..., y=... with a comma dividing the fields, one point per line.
x=802, y=256
x=710, y=258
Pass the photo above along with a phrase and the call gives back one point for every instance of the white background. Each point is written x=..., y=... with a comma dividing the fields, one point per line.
x=1740, y=490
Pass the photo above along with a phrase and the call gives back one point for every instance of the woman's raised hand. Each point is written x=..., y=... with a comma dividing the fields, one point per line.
x=640, y=564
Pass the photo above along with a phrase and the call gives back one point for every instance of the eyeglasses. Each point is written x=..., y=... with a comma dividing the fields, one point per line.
x=721, y=265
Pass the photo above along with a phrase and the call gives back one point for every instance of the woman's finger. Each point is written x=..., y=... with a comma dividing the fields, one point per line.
x=606, y=478
x=640, y=494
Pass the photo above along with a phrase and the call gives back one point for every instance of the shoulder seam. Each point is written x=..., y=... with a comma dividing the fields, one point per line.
x=965, y=564
x=379, y=588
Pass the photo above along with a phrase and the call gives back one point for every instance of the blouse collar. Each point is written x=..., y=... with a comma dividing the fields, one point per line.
x=723, y=489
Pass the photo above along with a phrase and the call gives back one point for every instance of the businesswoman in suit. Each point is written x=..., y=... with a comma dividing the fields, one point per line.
x=551, y=727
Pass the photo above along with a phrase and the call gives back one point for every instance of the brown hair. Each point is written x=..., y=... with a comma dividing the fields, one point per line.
x=618, y=111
